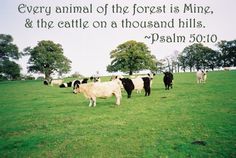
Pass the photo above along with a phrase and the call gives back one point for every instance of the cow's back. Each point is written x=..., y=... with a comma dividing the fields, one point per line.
x=138, y=83
x=105, y=89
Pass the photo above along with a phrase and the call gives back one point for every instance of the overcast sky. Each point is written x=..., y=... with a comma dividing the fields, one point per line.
x=89, y=49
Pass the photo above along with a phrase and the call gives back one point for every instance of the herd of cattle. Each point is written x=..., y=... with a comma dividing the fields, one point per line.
x=97, y=89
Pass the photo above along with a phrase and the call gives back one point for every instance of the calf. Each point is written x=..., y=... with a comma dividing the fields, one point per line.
x=167, y=79
x=100, y=90
x=201, y=76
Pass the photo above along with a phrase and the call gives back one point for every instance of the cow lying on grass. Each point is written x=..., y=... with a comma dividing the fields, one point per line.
x=167, y=79
x=53, y=82
x=95, y=79
x=73, y=83
x=56, y=82
x=100, y=90
x=201, y=76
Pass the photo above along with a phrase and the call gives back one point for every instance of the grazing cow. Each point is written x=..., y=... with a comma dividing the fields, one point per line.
x=136, y=84
x=167, y=79
x=100, y=90
x=73, y=83
x=201, y=76
x=56, y=82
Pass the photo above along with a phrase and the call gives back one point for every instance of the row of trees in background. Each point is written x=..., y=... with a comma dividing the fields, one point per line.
x=133, y=56
x=198, y=56
x=129, y=57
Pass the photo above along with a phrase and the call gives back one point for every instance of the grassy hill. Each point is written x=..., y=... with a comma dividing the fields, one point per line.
x=191, y=120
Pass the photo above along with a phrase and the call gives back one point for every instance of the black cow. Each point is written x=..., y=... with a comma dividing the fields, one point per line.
x=167, y=79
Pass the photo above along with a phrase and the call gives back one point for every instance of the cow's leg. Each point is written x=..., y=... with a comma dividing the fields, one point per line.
x=147, y=91
x=166, y=86
x=117, y=100
x=129, y=92
x=90, y=102
x=94, y=101
x=118, y=97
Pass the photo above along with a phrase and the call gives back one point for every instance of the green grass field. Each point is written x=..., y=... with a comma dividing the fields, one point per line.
x=45, y=121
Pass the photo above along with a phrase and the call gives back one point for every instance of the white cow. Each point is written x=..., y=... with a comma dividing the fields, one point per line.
x=101, y=90
x=201, y=76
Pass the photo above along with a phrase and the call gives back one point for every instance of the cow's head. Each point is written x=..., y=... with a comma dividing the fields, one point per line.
x=76, y=89
x=169, y=75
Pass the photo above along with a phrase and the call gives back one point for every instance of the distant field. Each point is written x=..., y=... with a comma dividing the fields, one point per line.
x=45, y=121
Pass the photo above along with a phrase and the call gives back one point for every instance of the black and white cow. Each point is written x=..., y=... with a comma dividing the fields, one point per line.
x=73, y=83
x=167, y=79
x=95, y=79
x=136, y=84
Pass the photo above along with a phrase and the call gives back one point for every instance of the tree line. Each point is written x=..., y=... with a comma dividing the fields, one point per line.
x=47, y=58
x=198, y=56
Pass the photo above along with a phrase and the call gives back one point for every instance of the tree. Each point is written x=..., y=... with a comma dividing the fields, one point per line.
x=47, y=58
x=227, y=52
x=8, y=52
x=211, y=58
x=160, y=65
x=198, y=56
x=11, y=69
x=130, y=57
x=182, y=59
x=189, y=57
